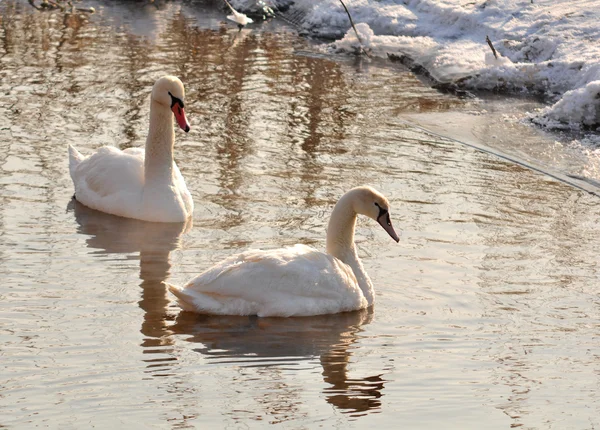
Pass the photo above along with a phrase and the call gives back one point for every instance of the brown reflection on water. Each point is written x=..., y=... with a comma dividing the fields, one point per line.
x=251, y=86
x=134, y=94
x=235, y=144
x=154, y=242
x=356, y=396
x=493, y=285
x=275, y=343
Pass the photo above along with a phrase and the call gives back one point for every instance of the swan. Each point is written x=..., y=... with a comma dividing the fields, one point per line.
x=298, y=280
x=135, y=183
x=237, y=17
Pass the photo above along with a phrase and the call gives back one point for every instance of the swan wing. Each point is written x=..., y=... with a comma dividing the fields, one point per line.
x=296, y=281
x=109, y=179
x=182, y=189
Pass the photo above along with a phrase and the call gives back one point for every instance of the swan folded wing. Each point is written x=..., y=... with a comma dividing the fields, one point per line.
x=284, y=282
x=109, y=171
x=182, y=189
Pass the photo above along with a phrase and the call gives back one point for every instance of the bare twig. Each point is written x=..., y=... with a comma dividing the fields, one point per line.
x=489, y=42
x=63, y=5
x=34, y=5
x=351, y=22
x=355, y=32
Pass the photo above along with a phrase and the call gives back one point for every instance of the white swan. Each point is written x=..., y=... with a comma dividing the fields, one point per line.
x=238, y=17
x=295, y=281
x=134, y=183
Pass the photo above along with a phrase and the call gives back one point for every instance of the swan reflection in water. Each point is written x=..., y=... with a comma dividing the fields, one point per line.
x=263, y=342
x=248, y=341
x=154, y=242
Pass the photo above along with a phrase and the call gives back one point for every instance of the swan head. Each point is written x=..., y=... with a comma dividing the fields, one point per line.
x=370, y=202
x=169, y=91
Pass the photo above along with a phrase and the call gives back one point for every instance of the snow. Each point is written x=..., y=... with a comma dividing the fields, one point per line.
x=576, y=107
x=545, y=47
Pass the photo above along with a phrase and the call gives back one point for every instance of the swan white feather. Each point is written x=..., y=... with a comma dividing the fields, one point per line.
x=293, y=281
x=135, y=183
x=237, y=17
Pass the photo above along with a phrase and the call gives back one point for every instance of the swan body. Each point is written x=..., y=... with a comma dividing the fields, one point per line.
x=135, y=183
x=239, y=18
x=298, y=280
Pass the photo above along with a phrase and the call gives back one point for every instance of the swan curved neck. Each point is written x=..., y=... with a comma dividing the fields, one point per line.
x=158, y=160
x=340, y=233
x=340, y=243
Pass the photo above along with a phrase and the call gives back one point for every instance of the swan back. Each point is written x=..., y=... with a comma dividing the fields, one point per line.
x=294, y=281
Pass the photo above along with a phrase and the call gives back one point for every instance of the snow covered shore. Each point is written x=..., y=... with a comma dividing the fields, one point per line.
x=546, y=47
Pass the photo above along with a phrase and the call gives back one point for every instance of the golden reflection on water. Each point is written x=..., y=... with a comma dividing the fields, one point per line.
x=246, y=341
x=486, y=310
x=154, y=242
x=257, y=342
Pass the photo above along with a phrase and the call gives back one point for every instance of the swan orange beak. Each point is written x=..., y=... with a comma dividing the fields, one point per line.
x=386, y=223
x=180, y=117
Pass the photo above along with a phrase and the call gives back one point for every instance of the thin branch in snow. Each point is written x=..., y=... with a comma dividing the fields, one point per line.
x=355, y=32
x=489, y=42
x=351, y=22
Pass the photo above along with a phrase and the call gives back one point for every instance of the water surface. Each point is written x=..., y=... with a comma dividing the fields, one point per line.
x=486, y=311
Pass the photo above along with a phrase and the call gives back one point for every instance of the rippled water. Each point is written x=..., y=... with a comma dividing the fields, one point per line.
x=487, y=311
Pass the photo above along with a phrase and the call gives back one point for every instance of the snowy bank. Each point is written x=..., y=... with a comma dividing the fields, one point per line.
x=546, y=47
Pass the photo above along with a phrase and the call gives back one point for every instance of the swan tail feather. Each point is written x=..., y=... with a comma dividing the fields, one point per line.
x=182, y=298
x=75, y=157
x=175, y=290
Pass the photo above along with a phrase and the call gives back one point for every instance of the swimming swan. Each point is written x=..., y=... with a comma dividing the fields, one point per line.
x=135, y=183
x=294, y=281
x=241, y=19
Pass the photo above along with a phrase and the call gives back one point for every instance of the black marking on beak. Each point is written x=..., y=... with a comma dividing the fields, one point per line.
x=383, y=212
x=384, y=220
x=175, y=100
